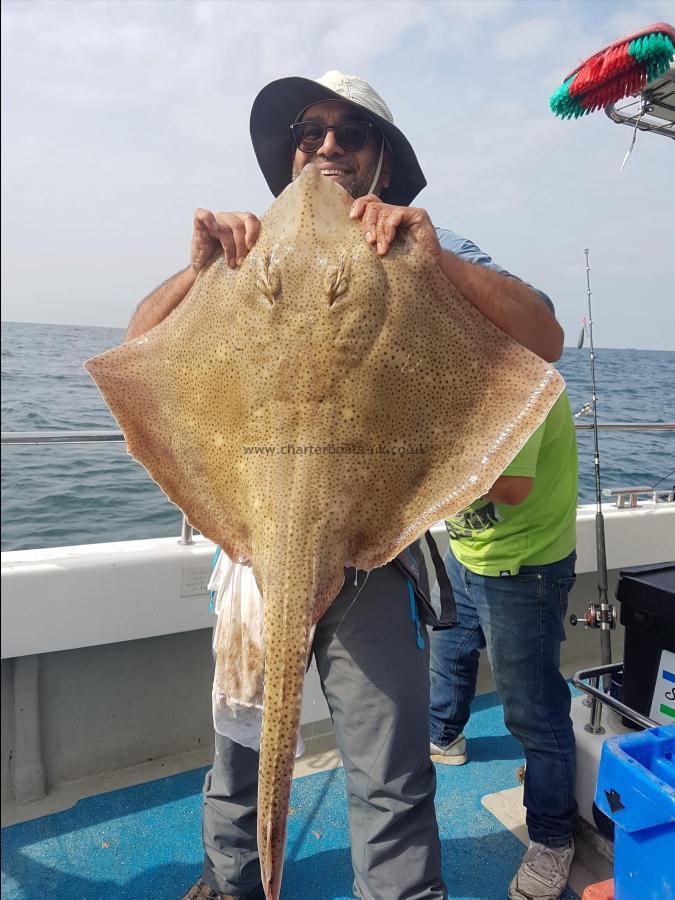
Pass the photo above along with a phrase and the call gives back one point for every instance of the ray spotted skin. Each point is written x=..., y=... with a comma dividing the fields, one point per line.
x=319, y=407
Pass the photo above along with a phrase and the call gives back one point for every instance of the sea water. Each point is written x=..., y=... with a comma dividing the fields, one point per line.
x=56, y=495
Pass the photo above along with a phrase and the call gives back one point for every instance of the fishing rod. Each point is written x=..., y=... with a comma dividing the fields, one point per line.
x=602, y=614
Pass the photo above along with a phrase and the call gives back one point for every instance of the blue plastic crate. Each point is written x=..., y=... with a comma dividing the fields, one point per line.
x=636, y=789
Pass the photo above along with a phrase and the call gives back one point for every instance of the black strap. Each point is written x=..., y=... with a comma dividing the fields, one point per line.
x=448, y=616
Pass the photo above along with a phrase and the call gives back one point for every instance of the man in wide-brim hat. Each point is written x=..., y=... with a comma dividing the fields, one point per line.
x=341, y=125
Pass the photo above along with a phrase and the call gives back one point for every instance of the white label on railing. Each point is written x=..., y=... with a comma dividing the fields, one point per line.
x=194, y=581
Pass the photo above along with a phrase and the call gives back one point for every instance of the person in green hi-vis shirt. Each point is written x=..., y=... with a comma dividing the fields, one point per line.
x=511, y=564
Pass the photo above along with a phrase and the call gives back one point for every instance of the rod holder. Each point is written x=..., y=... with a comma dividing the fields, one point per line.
x=186, y=533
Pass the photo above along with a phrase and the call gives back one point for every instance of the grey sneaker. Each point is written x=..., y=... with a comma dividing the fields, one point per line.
x=452, y=755
x=543, y=873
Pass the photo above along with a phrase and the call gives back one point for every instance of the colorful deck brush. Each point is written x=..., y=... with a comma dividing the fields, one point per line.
x=619, y=70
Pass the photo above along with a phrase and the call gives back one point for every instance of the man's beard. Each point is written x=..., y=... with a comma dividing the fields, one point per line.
x=355, y=183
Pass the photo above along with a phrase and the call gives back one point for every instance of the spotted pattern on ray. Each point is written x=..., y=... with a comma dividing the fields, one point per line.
x=316, y=408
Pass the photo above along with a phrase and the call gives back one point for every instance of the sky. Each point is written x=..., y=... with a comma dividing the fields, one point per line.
x=119, y=118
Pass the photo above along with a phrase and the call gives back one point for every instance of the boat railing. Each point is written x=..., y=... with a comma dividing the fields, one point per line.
x=627, y=497
x=82, y=437
x=597, y=698
x=624, y=496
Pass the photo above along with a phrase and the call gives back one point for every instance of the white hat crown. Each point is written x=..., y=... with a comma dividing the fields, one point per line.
x=356, y=90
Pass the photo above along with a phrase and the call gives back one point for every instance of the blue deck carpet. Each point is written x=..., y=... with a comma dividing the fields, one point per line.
x=144, y=842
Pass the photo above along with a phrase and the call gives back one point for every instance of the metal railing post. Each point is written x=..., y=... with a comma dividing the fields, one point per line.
x=593, y=725
x=186, y=533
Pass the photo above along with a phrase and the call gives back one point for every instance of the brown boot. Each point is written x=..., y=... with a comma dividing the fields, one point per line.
x=201, y=891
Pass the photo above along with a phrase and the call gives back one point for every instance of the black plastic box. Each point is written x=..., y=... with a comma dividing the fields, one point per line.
x=647, y=597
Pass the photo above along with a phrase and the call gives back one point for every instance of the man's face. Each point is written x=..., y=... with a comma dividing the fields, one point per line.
x=354, y=170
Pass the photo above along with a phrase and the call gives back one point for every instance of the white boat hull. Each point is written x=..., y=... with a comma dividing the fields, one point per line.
x=114, y=642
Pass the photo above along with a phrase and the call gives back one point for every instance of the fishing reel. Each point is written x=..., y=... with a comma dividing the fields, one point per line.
x=598, y=616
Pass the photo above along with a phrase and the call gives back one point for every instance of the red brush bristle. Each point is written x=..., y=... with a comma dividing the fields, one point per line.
x=601, y=67
x=617, y=60
x=587, y=77
x=622, y=85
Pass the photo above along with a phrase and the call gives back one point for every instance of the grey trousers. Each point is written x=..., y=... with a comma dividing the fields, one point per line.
x=376, y=681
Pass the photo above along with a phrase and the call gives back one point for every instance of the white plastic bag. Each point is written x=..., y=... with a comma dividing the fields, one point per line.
x=239, y=648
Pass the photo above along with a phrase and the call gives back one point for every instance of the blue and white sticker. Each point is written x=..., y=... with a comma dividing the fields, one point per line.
x=663, y=701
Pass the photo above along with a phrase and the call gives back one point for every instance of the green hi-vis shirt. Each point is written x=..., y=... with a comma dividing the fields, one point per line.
x=497, y=538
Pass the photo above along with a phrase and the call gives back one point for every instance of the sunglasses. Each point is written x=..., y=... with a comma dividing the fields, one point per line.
x=350, y=135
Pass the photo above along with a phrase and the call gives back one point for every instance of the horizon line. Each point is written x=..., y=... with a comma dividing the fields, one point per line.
x=123, y=328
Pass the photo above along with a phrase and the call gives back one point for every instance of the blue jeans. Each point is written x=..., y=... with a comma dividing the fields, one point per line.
x=520, y=620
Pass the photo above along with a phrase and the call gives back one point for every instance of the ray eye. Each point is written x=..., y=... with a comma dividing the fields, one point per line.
x=336, y=282
x=268, y=281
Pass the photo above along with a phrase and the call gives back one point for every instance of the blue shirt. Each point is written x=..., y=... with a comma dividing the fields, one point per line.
x=469, y=252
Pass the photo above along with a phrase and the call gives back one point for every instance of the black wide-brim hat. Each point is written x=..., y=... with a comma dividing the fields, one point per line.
x=279, y=104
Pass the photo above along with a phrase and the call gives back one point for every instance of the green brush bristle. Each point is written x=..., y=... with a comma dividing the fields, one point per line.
x=564, y=105
x=655, y=51
x=656, y=68
x=652, y=47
